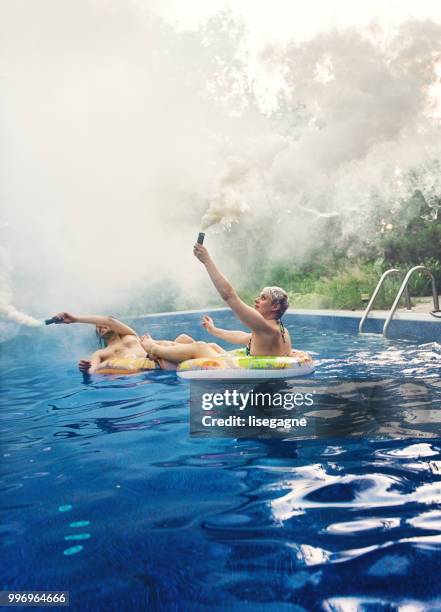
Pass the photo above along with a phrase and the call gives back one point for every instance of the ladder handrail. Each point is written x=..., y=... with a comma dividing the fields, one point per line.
x=375, y=293
x=402, y=289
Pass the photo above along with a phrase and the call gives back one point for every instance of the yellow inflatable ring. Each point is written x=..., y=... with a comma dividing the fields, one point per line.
x=238, y=365
x=128, y=365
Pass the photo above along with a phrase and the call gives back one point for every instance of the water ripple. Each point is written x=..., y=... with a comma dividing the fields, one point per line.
x=336, y=525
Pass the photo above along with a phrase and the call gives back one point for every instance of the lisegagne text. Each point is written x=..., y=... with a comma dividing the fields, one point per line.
x=253, y=421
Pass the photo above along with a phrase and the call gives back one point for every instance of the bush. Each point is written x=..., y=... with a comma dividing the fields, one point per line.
x=343, y=287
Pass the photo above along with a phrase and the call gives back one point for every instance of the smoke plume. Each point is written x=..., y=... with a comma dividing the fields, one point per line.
x=122, y=135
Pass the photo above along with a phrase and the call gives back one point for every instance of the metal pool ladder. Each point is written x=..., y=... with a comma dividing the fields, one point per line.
x=404, y=287
x=375, y=293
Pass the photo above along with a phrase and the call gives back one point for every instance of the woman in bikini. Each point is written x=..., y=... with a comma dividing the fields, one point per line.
x=120, y=342
x=268, y=336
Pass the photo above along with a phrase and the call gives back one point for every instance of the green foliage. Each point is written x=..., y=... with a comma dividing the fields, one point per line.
x=420, y=241
x=346, y=287
x=327, y=279
x=420, y=283
x=341, y=286
x=157, y=297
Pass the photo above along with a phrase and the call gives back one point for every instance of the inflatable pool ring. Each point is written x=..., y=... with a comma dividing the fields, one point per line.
x=238, y=365
x=128, y=365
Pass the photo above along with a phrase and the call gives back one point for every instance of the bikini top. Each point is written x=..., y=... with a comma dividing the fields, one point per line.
x=282, y=332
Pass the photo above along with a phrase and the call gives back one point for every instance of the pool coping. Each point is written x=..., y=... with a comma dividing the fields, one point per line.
x=355, y=314
x=379, y=314
x=179, y=312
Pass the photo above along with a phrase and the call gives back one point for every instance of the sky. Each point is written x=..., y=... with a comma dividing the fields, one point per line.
x=281, y=20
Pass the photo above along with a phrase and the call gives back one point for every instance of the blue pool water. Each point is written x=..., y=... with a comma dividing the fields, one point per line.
x=104, y=493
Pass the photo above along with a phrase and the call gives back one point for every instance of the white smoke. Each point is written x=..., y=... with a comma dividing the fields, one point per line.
x=360, y=136
x=7, y=309
x=227, y=206
x=104, y=134
x=119, y=133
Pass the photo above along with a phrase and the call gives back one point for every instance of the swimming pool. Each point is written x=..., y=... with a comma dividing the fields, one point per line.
x=104, y=493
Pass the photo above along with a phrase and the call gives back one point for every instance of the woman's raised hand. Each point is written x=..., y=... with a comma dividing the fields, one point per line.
x=208, y=323
x=201, y=253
